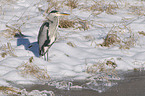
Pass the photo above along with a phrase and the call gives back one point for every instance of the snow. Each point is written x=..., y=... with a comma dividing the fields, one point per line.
x=66, y=61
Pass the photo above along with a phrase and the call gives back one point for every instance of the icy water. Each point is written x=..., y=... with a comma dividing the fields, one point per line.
x=132, y=85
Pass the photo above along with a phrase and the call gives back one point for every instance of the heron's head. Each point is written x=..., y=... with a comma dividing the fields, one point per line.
x=57, y=13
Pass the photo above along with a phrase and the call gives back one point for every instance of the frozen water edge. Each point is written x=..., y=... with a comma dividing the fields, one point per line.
x=128, y=87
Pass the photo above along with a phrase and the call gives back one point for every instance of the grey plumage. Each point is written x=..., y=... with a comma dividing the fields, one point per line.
x=48, y=32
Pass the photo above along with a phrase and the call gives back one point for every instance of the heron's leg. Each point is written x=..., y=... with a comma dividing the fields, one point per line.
x=48, y=48
x=47, y=55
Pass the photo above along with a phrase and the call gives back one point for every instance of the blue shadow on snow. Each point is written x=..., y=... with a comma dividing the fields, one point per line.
x=33, y=47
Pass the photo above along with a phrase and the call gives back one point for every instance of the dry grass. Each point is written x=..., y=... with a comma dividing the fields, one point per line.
x=9, y=90
x=54, y=4
x=7, y=50
x=71, y=44
x=72, y=3
x=90, y=38
x=11, y=31
x=142, y=33
x=111, y=63
x=101, y=6
x=31, y=69
x=58, y=5
x=82, y=24
x=137, y=10
x=66, y=23
x=120, y=36
x=111, y=39
x=76, y=23
x=100, y=67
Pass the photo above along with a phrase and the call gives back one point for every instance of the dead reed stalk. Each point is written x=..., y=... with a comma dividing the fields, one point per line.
x=29, y=68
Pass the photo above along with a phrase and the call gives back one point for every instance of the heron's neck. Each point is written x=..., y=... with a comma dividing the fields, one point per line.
x=52, y=18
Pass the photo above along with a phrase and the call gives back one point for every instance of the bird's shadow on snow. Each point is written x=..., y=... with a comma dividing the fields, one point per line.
x=33, y=47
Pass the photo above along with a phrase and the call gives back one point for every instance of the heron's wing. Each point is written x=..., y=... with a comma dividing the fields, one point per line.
x=43, y=38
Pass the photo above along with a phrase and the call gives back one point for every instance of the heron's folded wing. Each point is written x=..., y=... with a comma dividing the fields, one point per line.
x=43, y=38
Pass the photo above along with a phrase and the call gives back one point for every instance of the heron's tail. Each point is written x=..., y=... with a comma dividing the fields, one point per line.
x=43, y=51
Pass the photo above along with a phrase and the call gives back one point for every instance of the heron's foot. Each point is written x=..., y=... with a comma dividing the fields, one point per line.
x=42, y=57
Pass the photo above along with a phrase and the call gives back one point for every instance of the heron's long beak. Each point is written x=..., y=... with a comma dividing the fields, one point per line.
x=62, y=14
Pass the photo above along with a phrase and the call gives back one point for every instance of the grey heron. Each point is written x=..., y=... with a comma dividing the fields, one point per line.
x=48, y=32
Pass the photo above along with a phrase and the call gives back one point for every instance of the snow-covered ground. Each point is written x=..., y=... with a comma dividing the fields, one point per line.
x=76, y=53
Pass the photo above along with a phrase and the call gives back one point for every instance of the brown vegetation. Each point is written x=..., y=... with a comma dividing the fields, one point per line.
x=72, y=3
x=100, y=67
x=122, y=37
x=29, y=68
x=142, y=33
x=66, y=23
x=137, y=10
x=7, y=50
x=71, y=44
x=101, y=6
x=9, y=90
